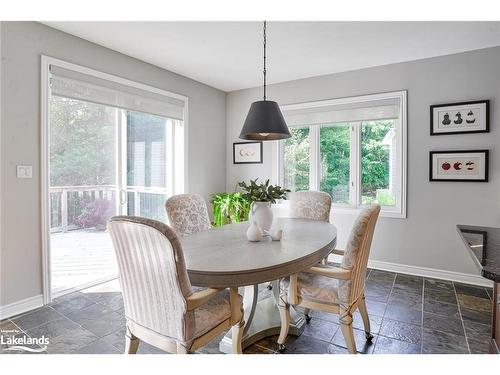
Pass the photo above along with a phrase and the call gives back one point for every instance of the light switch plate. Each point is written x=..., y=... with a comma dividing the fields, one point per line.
x=24, y=171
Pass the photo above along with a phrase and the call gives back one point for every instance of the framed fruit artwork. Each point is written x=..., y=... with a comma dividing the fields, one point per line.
x=466, y=166
x=460, y=118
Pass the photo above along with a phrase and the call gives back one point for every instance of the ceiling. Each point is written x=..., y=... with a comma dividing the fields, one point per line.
x=228, y=55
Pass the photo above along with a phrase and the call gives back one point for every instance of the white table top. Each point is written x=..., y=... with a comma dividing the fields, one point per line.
x=222, y=257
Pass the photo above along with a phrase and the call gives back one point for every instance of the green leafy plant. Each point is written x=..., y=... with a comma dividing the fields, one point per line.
x=262, y=192
x=229, y=208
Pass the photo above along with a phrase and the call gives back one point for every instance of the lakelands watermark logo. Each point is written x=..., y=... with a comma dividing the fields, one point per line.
x=12, y=341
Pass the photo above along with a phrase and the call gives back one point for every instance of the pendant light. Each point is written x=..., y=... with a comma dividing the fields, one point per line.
x=264, y=121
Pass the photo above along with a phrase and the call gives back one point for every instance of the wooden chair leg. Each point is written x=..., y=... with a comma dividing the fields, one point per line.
x=345, y=318
x=366, y=319
x=285, y=325
x=131, y=343
x=237, y=335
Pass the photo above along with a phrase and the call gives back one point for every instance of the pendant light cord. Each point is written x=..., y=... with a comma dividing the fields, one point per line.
x=264, y=71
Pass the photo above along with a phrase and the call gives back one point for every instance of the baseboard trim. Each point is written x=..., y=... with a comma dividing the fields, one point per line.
x=21, y=306
x=427, y=272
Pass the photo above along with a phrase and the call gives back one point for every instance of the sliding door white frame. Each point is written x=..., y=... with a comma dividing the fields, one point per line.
x=46, y=62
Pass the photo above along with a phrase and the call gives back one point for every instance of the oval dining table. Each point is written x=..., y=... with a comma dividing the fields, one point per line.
x=222, y=257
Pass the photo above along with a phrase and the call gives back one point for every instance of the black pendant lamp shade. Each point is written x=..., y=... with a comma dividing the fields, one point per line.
x=264, y=121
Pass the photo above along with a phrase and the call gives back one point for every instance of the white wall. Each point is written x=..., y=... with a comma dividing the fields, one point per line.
x=22, y=43
x=427, y=238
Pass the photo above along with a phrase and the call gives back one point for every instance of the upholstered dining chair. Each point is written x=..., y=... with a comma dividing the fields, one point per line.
x=313, y=205
x=161, y=307
x=187, y=213
x=331, y=289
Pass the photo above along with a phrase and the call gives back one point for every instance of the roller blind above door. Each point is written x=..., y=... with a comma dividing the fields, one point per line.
x=76, y=85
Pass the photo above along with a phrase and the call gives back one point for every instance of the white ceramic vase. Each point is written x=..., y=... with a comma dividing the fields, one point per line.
x=254, y=233
x=262, y=214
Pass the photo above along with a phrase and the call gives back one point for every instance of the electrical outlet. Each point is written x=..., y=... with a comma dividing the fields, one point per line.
x=24, y=171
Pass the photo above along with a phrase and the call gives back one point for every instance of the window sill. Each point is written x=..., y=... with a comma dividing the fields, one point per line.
x=350, y=210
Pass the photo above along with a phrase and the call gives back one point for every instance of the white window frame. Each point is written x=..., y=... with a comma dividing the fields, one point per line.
x=178, y=186
x=397, y=211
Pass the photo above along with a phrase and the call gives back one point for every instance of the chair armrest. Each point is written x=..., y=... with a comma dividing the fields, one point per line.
x=332, y=272
x=197, y=299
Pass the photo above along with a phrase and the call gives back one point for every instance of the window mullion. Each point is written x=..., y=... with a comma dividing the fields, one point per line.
x=355, y=161
x=314, y=157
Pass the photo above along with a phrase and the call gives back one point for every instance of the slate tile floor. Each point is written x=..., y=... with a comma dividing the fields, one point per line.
x=408, y=314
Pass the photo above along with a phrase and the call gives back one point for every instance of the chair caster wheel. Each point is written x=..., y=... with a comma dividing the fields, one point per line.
x=281, y=348
x=270, y=286
x=369, y=337
x=308, y=318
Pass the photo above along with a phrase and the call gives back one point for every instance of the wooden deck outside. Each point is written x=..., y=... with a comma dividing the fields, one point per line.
x=81, y=257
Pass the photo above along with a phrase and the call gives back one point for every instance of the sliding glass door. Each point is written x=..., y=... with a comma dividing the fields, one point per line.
x=104, y=161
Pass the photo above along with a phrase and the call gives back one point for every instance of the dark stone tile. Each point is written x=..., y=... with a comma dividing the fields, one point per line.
x=71, y=302
x=403, y=314
x=477, y=330
x=474, y=303
x=375, y=307
x=471, y=290
x=375, y=322
x=53, y=328
x=409, y=282
x=436, y=342
x=483, y=317
x=330, y=317
x=94, y=311
x=405, y=298
x=378, y=293
x=114, y=304
x=441, y=308
x=98, y=347
x=270, y=343
x=304, y=345
x=116, y=338
x=321, y=329
x=386, y=345
x=71, y=341
x=35, y=318
x=103, y=325
x=437, y=284
x=102, y=297
x=443, y=324
x=362, y=345
x=335, y=349
x=382, y=277
x=441, y=295
x=479, y=345
x=401, y=331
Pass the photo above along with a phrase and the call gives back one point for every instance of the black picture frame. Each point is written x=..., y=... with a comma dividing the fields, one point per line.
x=486, y=130
x=261, y=153
x=486, y=165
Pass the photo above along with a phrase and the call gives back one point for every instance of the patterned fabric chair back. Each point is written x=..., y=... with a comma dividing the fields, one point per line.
x=187, y=213
x=356, y=254
x=313, y=205
x=153, y=276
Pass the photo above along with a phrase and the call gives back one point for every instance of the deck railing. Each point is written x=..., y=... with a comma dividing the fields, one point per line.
x=68, y=202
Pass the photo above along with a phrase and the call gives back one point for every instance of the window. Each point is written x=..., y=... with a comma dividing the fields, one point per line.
x=353, y=149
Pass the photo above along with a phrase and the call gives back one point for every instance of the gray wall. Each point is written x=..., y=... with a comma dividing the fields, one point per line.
x=22, y=43
x=427, y=238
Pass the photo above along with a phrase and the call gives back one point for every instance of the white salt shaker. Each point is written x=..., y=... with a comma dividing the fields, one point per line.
x=276, y=236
